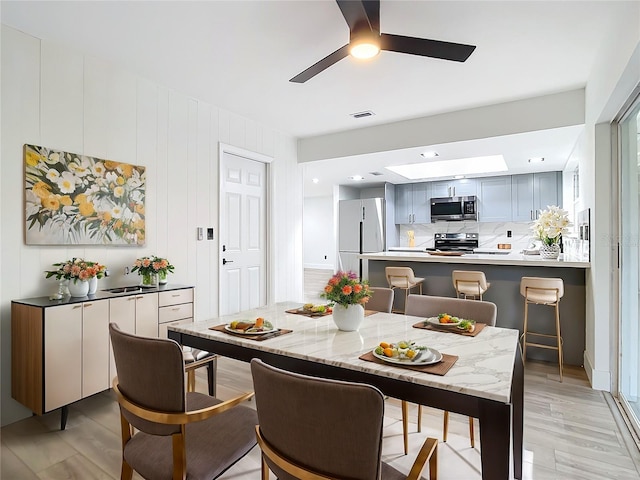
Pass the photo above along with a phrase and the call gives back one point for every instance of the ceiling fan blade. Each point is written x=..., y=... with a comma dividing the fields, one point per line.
x=458, y=52
x=361, y=14
x=323, y=64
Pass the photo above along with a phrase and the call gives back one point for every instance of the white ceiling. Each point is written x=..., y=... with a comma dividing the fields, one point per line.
x=239, y=55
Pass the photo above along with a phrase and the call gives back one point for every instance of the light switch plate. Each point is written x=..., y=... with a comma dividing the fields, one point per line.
x=200, y=233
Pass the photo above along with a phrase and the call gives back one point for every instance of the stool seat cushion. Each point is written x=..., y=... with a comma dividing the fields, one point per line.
x=541, y=296
x=472, y=288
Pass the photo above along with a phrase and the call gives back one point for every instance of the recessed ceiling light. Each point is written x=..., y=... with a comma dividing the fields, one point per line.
x=536, y=160
x=447, y=168
x=315, y=180
x=357, y=178
x=429, y=154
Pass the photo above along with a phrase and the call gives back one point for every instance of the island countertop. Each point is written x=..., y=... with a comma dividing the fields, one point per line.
x=515, y=259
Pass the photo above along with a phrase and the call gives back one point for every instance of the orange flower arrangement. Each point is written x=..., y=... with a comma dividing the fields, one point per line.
x=344, y=288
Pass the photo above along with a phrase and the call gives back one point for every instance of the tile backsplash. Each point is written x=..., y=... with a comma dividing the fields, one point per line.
x=490, y=234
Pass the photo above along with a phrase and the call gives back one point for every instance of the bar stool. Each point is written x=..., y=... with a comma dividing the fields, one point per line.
x=542, y=291
x=404, y=279
x=469, y=283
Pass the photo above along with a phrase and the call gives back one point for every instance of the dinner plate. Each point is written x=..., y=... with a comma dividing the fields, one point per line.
x=242, y=332
x=436, y=322
x=429, y=356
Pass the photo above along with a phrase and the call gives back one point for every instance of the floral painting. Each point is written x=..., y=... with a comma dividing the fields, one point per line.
x=80, y=200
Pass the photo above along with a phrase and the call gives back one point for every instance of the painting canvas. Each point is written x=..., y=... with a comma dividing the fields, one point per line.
x=73, y=199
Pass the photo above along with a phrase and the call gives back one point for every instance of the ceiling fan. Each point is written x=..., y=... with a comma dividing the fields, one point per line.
x=365, y=40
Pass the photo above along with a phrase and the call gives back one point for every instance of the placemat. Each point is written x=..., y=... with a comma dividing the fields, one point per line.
x=428, y=326
x=440, y=368
x=315, y=315
x=297, y=311
x=257, y=338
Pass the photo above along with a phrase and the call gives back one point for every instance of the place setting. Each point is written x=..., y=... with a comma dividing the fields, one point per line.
x=258, y=329
x=452, y=324
x=407, y=354
x=313, y=311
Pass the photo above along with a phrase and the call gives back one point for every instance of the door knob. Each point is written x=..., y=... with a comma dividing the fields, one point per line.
x=225, y=261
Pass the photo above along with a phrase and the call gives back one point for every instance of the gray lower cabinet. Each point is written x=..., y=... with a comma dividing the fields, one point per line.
x=494, y=199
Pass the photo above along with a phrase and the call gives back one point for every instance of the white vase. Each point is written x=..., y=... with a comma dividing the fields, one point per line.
x=78, y=288
x=549, y=251
x=93, y=285
x=348, y=318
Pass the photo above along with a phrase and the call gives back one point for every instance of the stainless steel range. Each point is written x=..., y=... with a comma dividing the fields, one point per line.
x=456, y=242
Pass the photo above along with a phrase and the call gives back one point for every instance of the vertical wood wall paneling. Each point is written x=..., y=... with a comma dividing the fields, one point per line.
x=192, y=164
x=156, y=239
x=177, y=190
x=213, y=220
x=148, y=105
x=203, y=213
x=20, y=100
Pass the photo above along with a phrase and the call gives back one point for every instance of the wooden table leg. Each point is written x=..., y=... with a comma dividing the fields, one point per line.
x=495, y=432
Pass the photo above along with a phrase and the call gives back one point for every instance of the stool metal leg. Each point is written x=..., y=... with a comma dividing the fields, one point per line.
x=445, y=426
x=524, y=334
x=559, y=337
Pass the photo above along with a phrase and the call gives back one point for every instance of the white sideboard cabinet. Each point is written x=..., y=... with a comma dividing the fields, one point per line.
x=60, y=349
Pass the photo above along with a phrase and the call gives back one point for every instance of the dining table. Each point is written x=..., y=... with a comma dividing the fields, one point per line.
x=485, y=381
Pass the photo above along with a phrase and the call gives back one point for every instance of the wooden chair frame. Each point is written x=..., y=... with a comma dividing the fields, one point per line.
x=428, y=453
x=168, y=418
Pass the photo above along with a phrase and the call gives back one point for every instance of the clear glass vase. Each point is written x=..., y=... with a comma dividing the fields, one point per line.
x=149, y=279
x=162, y=278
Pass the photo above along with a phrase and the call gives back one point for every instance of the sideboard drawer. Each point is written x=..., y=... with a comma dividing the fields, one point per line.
x=174, y=297
x=175, y=312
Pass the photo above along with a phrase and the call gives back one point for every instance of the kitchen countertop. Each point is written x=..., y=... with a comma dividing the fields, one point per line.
x=512, y=258
x=99, y=295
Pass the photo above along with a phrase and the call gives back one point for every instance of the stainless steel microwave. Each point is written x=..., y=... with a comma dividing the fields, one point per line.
x=450, y=209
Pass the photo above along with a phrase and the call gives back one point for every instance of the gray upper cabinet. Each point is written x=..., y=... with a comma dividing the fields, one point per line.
x=533, y=192
x=412, y=203
x=494, y=199
x=454, y=188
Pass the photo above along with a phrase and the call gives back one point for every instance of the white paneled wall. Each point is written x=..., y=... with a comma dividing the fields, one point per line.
x=59, y=98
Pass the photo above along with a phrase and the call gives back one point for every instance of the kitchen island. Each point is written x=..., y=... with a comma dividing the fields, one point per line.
x=503, y=272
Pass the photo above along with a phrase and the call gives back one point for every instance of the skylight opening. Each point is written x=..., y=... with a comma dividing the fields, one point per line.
x=450, y=168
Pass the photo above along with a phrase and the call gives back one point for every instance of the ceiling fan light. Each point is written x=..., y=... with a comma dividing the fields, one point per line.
x=364, y=44
x=364, y=50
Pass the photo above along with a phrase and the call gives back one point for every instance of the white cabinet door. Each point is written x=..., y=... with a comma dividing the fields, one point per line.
x=147, y=315
x=95, y=347
x=62, y=356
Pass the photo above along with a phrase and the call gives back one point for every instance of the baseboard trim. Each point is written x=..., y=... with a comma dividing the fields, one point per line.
x=599, y=379
x=318, y=266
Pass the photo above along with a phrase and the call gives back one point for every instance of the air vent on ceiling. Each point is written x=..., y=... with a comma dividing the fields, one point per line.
x=375, y=174
x=364, y=114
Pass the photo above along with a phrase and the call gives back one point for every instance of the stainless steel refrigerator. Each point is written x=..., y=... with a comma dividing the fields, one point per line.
x=361, y=229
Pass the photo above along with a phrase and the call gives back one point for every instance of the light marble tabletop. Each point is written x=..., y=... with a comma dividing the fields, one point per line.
x=484, y=368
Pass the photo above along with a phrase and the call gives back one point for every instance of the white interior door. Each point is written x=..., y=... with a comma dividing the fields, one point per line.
x=243, y=212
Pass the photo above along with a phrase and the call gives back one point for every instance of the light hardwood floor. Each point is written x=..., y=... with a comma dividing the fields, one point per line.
x=571, y=433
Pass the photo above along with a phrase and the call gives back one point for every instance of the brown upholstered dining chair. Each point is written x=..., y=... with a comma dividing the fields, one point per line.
x=168, y=433
x=381, y=299
x=324, y=429
x=431, y=306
